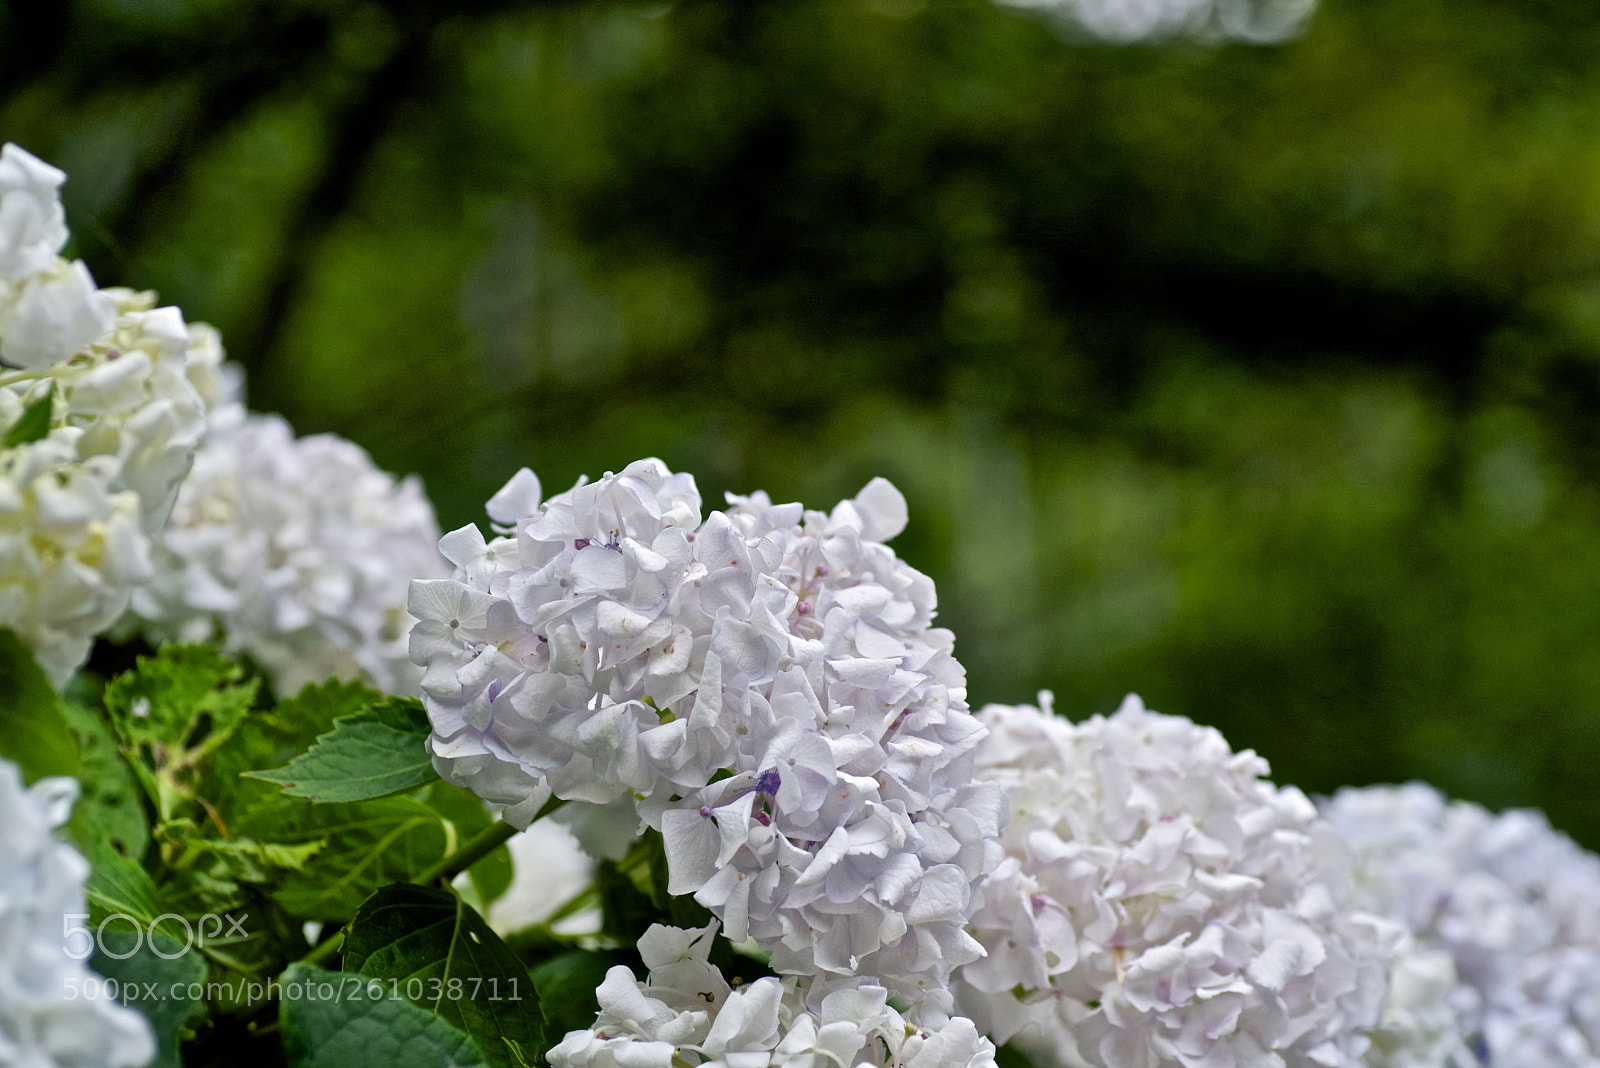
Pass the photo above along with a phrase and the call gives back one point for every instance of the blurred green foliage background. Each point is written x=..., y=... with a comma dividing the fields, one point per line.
x=1264, y=381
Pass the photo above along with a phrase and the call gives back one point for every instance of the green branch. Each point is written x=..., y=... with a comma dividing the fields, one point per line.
x=448, y=867
x=472, y=850
x=480, y=846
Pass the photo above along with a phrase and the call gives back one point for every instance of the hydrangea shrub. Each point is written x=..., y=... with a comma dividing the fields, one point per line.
x=730, y=750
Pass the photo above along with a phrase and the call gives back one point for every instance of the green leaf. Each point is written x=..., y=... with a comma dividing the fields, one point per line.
x=149, y=969
x=467, y=975
x=110, y=815
x=248, y=860
x=364, y=845
x=566, y=986
x=375, y=753
x=382, y=1031
x=33, y=424
x=246, y=938
x=314, y=709
x=118, y=884
x=185, y=697
x=269, y=738
x=33, y=724
x=171, y=712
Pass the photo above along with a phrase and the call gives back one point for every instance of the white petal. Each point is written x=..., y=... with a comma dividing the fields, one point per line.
x=516, y=500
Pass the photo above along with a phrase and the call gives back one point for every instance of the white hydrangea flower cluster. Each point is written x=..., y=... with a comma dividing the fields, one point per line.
x=765, y=683
x=1513, y=904
x=1124, y=21
x=81, y=491
x=548, y=869
x=688, y=1014
x=296, y=551
x=41, y=880
x=1422, y=1020
x=1162, y=904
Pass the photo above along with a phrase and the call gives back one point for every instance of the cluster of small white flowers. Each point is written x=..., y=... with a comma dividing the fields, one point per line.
x=765, y=683
x=295, y=551
x=688, y=1014
x=1513, y=904
x=1162, y=904
x=41, y=880
x=77, y=504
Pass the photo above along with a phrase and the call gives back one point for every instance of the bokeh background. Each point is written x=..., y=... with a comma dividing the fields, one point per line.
x=1260, y=375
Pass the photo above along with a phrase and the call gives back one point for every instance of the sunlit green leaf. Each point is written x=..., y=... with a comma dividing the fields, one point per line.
x=270, y=737
x=171, y=711
x=375, y=753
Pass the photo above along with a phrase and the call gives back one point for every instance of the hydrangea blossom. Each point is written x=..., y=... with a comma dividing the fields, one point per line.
x=297, y=551
x=1422, y=1024
x=1162, y=904
x=49, y=308
x=1512, y=904
x=81, y=490
x=765, y=684
x=548, y=869
x=1123, y=21
x=33, y=224
x=688, y=1014
x=41, y=880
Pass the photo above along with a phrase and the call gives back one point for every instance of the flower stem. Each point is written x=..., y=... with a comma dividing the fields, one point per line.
x=479, y=846
x=473, y=850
